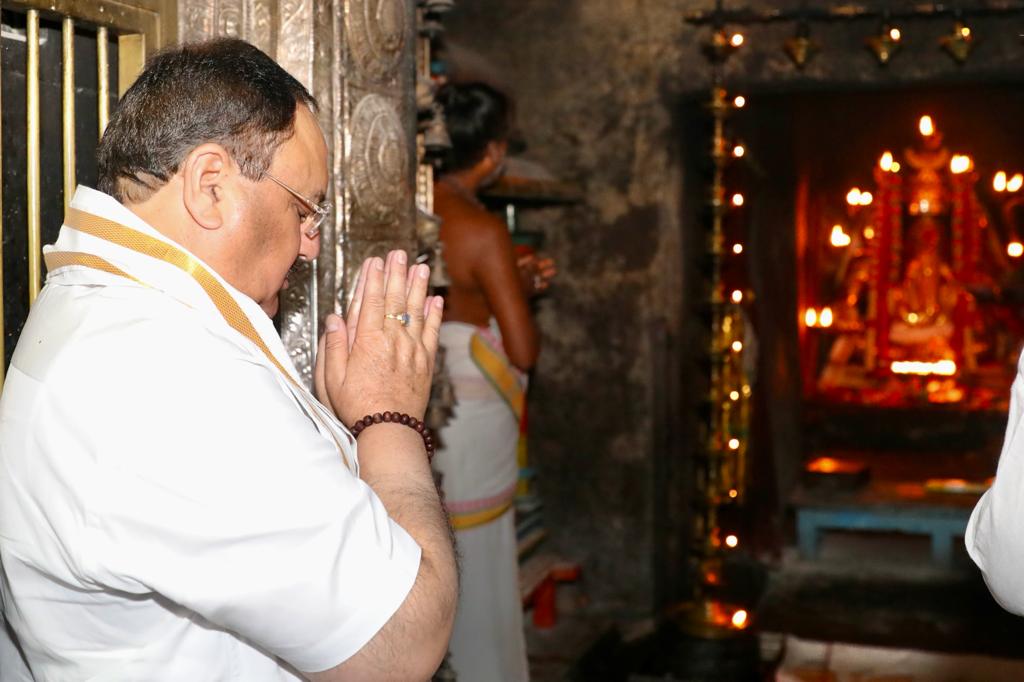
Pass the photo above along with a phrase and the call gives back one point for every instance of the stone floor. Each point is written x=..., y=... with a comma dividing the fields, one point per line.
x=862, y=589
x=884, y=591
x=554, y=652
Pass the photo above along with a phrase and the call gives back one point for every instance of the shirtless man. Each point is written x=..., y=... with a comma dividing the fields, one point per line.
x=491, y=342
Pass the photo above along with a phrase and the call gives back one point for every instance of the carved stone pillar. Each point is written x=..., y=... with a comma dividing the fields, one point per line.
x=356, y=57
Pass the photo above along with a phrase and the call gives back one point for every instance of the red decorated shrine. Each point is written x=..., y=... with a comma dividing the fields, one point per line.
x=910, y=309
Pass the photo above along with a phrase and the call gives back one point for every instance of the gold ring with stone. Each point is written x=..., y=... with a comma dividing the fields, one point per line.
x=401, y=317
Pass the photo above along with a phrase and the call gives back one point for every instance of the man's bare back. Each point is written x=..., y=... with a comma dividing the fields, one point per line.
x=485, y=280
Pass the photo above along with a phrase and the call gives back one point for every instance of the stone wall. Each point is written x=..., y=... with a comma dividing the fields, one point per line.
x=607, y=94
x=590, y=79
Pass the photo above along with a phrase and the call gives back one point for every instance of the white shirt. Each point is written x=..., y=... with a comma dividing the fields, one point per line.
x=995, y=533
x=167, y=512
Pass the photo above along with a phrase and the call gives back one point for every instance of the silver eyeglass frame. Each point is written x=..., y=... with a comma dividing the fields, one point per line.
x=317, y=212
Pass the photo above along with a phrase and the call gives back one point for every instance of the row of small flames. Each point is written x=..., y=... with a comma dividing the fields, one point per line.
x=840, y=239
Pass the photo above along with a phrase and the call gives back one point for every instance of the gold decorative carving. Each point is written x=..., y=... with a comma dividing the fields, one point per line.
x=376, y=32
x=297, y=320
x=230, y=18
x=295, y=39
x=299, y=316
x=195, y=20
x=331, y=46
x=259, y=24
x=380, y=159
x=251, y=20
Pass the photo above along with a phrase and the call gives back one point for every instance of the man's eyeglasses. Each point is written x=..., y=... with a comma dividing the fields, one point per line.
x=317, y=212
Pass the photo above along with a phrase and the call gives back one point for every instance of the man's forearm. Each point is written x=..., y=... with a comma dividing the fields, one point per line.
x=393, y=463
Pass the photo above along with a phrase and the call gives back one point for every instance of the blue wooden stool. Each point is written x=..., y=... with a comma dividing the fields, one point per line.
x=904, y=508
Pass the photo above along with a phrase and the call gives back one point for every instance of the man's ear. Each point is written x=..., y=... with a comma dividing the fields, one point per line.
x=204, y=174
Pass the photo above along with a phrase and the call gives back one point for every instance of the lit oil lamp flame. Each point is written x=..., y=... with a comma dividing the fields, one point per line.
x=739, y=619
x=825, y=318
x=839, y=238
x=811, y=317
x=944, y=368
x=926, y=126
x=999, y=181
x=960, y=163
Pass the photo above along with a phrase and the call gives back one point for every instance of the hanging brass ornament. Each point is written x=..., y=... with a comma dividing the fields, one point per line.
x=801, y=48
x=885, y=44
x=437, y=6
x=959, y=43
x=435, y=137
x=723, y=44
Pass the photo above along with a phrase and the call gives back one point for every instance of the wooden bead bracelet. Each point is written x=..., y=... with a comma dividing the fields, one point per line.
x=397, y=418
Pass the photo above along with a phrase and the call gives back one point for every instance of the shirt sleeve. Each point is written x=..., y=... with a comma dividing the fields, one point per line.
x=213, y=489
x=994, y=537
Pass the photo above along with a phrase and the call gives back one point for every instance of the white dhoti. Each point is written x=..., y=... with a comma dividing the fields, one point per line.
x=479, y=468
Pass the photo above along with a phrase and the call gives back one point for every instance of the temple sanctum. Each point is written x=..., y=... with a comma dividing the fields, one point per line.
x=735, y=305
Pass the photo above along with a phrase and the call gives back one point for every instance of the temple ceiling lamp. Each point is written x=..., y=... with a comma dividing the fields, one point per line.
x=959, y=43
x=886, y=43
x=801, y=47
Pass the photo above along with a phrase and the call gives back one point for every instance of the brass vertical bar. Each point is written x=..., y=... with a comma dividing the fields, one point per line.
x=35, y=253
x=131, y=57
x=103, y=76
x=68, y=111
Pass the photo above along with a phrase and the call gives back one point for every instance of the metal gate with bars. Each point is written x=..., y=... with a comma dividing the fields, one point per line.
x=355, y=56
x=63, y=63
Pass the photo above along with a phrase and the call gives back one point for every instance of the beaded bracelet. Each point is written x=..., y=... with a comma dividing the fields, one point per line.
x=397, y=418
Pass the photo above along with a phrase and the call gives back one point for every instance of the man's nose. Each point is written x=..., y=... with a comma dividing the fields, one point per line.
x=309, y=249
